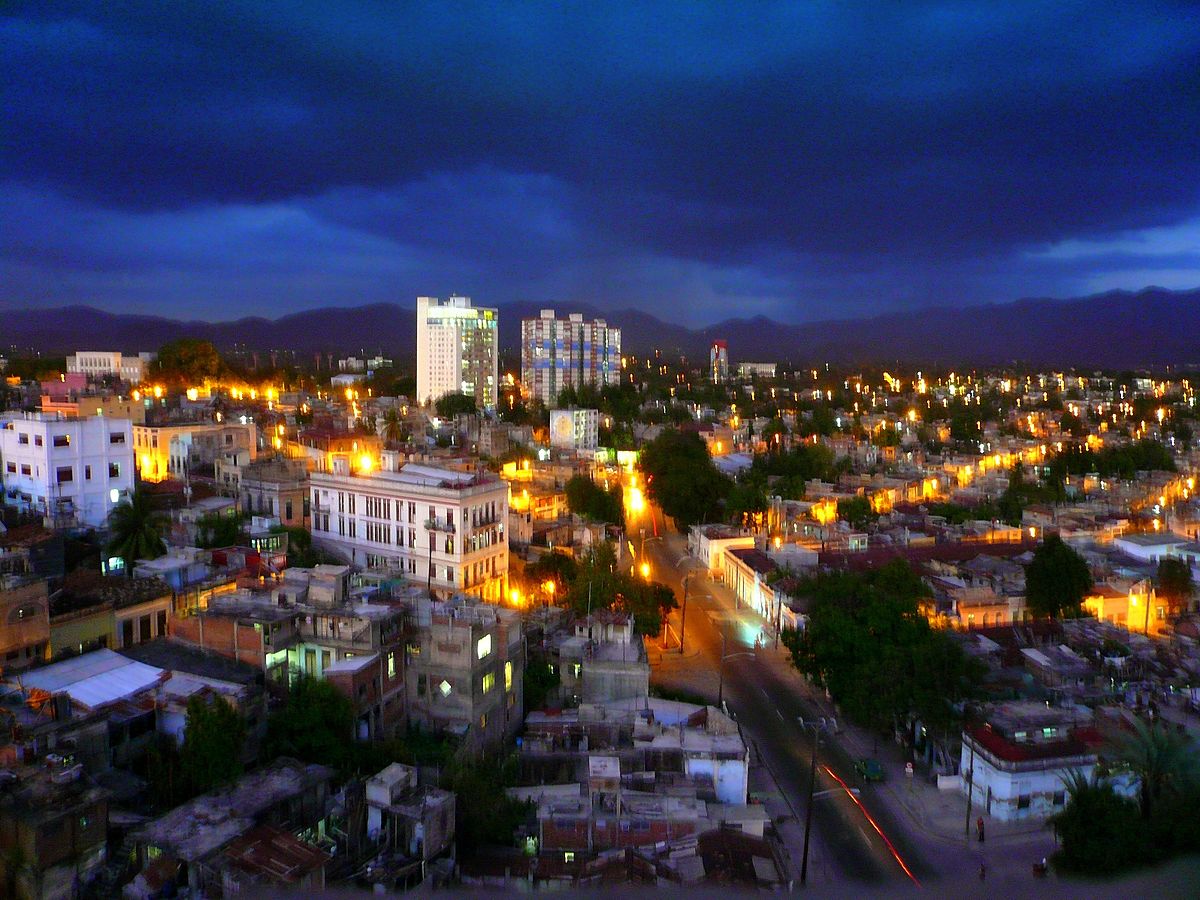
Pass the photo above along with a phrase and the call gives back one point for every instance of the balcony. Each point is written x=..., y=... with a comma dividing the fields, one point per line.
x=439, y=525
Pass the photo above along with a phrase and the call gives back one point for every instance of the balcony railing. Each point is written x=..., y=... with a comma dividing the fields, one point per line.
x=439, y=525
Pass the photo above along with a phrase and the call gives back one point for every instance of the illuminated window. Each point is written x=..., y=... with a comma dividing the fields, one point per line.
x=508, y=676
x=483, y=647
x=392, y=665
x=489, y=681
x=445, y=688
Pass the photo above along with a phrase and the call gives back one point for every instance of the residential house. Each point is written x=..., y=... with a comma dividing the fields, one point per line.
x=1016, y=762
x=466, y=662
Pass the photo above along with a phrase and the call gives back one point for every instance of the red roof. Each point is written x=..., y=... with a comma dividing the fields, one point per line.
x=1012, y=751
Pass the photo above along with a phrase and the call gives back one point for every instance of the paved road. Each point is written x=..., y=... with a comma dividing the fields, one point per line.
x=854, y=839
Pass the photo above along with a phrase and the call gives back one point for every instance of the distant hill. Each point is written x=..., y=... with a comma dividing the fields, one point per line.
x=1152, y=327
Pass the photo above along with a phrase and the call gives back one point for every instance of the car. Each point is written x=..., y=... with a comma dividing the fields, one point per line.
x=869, y=769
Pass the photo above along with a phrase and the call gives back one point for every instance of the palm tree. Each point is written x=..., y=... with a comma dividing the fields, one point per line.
x=1162, y=758
x=393, y=427
x=135, y=530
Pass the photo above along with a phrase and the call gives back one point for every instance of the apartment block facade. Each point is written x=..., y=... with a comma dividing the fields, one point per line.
x=571, y=352
x=438, y=527
x=73, y=471
x=457, y=350
x=110, y=363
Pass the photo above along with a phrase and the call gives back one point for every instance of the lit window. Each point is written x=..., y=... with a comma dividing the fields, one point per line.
x=445, y=688
x=508, y=676
x=392, y=665
x=489, y=682
x=483, y=647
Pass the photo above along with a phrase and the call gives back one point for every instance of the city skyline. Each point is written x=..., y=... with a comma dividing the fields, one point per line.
x=804, y=164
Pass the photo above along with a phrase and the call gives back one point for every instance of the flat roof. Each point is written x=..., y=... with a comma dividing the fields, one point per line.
x=94, y=679
x=353, y=664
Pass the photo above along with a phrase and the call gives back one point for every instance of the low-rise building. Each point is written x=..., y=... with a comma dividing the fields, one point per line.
x=53, y=830
x=277, y=486
x=93, y=611
x=71, y=471
x=24, y=622
x=287, y=795
x=1016, y=762
x=466, y=662
x=438, y=526
x=406, y=817
x=306, y=623
x=99, y=364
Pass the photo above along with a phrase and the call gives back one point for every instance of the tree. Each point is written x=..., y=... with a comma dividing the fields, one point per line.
x=541, y=678
x=450, y=406
x=135, y=529
x=553, y=566
x=587, y=499
x=1057, y=579
x=1098, y=829
x=394, y=429
x=857, y=511
x=188, y=361
x=484, y=813
x=1175, y=582
x=315, y=724
x=1163, y=759
x=681, y=477
x=212, y=743
x=218, y=530
x=867, y=642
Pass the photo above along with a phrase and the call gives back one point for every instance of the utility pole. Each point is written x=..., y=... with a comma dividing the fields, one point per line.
x=812, y=784
x=683, y=612
x=970, y=779
x=721, y=682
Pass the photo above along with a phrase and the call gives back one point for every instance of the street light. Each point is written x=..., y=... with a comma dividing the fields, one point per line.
x=725, y=656
x=645, y=570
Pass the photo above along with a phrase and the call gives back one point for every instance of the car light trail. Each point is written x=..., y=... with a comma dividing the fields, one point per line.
x=891, y=847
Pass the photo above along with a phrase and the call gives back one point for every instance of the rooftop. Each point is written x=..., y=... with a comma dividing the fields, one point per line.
x=95, y=679
x=180, y=656
x=275, y=855
x=195, y=829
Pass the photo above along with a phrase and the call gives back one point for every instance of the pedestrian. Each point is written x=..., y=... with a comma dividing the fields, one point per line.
x=979, y=825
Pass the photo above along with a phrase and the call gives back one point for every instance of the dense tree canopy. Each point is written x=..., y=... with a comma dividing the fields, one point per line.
x=315, y=724
x=212, y=743
x=1057, y=579
x=867, y=642
x=1174, y=579
x=188, y=361
x=599, y=585
x=589, y=500
x=681, y=477
x=449, y=406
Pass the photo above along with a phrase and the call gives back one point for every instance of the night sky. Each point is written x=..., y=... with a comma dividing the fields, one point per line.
x=799, y=160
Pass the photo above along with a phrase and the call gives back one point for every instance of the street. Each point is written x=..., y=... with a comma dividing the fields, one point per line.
x=852, y=838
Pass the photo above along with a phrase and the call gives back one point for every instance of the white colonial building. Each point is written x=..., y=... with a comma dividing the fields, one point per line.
x=438, y=527
x=1017, y=762
x=70, y=470
x=103, y=363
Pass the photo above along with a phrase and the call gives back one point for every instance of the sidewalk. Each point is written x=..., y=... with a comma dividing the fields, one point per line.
x=938, y=818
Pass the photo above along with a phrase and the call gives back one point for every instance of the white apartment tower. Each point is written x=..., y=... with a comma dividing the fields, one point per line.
x=72, y=471
x=560, y=353
x=457, y=350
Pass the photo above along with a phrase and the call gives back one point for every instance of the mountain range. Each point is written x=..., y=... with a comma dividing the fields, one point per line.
x=1149, y=328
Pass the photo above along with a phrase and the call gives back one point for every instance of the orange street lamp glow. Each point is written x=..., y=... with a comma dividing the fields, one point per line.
x=365, y=463
x=646, y=570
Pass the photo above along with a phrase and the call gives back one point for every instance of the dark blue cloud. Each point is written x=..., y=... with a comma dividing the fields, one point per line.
x=800, y=160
